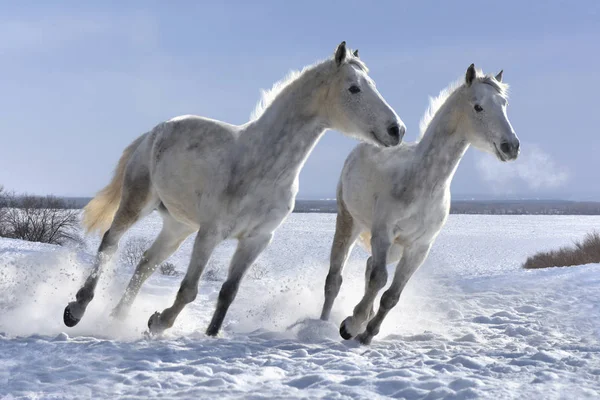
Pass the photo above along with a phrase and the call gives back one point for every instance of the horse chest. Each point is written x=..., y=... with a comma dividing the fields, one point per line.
x=420, y=221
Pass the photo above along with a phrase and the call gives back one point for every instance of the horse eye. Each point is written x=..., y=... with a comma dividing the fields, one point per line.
x=354, y=89
x=478, y=108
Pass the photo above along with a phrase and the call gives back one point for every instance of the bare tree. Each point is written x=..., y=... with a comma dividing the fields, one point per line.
x=133, y=250
x=38, y=219
x=3, y=211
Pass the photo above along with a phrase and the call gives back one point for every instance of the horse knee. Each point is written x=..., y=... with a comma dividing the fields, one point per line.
x=389, y=300
x=378, y=278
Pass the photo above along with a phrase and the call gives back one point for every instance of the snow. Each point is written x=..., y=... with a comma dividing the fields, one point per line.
x=470, y=324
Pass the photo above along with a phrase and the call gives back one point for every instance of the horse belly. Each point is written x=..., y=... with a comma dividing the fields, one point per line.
x=190, y=181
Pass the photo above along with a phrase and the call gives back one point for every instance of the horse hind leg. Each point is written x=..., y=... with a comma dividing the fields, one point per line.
x=345, y=235
x=136, y=202
x=207, y=239
x=172, y=234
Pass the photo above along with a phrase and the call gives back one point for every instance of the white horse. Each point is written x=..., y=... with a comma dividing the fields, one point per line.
x=228, y=181
x=399, y=198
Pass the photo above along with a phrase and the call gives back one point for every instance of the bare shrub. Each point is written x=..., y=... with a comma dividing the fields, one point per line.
x=133, y=250
x=212, y=275
x=257, y=271
x=583, y=252
x=218, y=272
x=168, y=269
x=38, y=219
x=214, y=272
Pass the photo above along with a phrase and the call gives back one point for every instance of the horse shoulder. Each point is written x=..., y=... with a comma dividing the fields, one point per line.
x=355, y=179
x=362, y=182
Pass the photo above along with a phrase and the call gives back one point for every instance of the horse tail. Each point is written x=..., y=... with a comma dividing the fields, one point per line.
x=99, y=213
x=364, y=240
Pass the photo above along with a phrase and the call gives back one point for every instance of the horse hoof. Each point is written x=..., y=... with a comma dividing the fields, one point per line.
x=211, y=331
x=69, y=319
x=155, y=326
x=364, y=339
x=344, y=332
x=152, y=321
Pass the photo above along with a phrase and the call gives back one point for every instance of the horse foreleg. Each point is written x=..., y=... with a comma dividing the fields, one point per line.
x=206, y=241
x=411, y=260
x=345, y=235
x=368, y=270
x=380, y=243
x=247, y=252
x=394, y=255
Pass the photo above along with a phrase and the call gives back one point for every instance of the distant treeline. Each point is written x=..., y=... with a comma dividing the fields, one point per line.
x=526, y=207
x=494, y=207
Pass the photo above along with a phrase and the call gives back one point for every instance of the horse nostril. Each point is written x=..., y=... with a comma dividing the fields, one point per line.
x=394, y=131
x=505, y=147
x=517, y=146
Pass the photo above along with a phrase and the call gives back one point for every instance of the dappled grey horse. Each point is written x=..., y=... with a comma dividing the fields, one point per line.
x=226, y=181
x=398, y=199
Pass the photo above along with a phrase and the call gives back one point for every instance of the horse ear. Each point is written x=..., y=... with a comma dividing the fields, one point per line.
x=340, y=53
x=499, y=76
x=470, y=77
x=355, y=53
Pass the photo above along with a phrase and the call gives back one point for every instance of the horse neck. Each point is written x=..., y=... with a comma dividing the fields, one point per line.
x=442, y=147
x=280, y=140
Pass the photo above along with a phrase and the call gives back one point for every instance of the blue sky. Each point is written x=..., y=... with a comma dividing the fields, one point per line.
x=81, y=81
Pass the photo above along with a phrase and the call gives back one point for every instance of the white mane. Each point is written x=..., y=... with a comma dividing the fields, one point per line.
x=268, y=96
x=435, y=103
